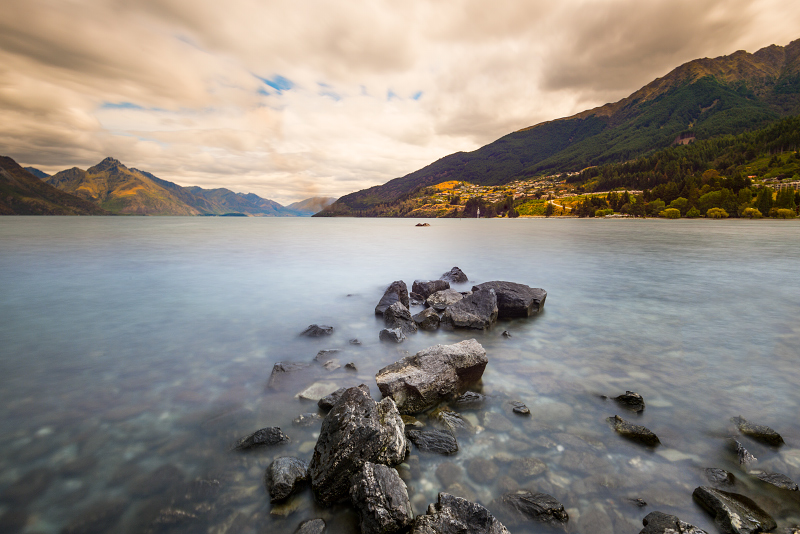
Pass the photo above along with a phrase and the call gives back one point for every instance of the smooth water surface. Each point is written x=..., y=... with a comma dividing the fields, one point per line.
x=135, y=351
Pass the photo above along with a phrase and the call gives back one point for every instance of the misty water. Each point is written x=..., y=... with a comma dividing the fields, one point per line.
x=135, y=351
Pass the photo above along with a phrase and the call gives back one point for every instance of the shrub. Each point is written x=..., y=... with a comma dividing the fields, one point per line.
x=603, y=212
x=785, y=214
x=751, y=213
x=671, y=213
x=717, y=213
x=693, y=213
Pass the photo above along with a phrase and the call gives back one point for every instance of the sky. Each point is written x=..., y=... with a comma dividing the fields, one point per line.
x=299, y=98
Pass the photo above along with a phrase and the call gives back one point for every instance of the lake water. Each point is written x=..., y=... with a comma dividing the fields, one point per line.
x=135, y=351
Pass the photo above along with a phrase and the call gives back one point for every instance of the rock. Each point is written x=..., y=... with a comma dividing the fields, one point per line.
x=444, y=298
x=396, y=292
x=311, y=526
x=637, y=501
x=281, y=369
x=515, y=300
x=421, y=381
x=394, y=335
x=421, y=224
x=586, y=461
x=351, y=366
x=631, y=400
x=398, y=316
x=99, y=517
x=661, y=523
x=758, y=432
x=327, y=402
x=497, y=422
x=262, y=438
x=732, y=512
x=449, y=473
x=477, y=311
x=452, y=421
x=412, y=422
x=316, y=391
x=416, y=299
x=633, y=432
x=426, y=288
x=482, y=470
x=519, y=408
x=523, y=506
x=381, y=498
x=284, y=476
x=506, y=333
x=331, y=365
x=317, y=331
x=353, y=341
x=506, y=484
x=454, y=515
x=356, y=430
x=469, y=401
x=745, y=458
x=455, y=275
x=522, y=468
x=778, y=480
x=427, y=319
x=719, y=477
x=438, y=441
x=325, y=355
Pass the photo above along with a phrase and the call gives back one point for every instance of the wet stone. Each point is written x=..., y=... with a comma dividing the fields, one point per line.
x=331, y=365
x=327, y=402
x=661, y=523
x=519, y=408
x=633, y=432
x=412, y=422
x=351, y=366
x=449, y=473
x=515, y=300
x=452, y=421
x=392, y=335
x=281, y=370
x=454, y=515
x=506, y=334
x=437, y=441
x=507, y=484
x=427, y=320
x=637, y=501
x=317, y=391
x=482, y=470
x=325, y=355
x=307, y=419
x=522, y=468
x=455, y=275
x=719, y=477
x=284, y=476
x=469, y=401
x=745, y=458
x=396, y=292
x=425, y=288
x=353, y=341
x=760, y=433
x=733, y=512
x=460, y=489
x=398, y=316
x=497, y=422
x=631, y=401
x=440, y=300
x=317, y=331
x=522, y=506
x=265, y=437
x=778, y=480
x=381, y=498
x=477, y=311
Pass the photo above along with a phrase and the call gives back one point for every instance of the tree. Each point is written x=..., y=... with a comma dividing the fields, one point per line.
x=693, y=213
x=785, y=214
x=548, y=211
x=764, y=200
x=717, y=213
x=751, y=213
x=681, y=204
x=672, y=213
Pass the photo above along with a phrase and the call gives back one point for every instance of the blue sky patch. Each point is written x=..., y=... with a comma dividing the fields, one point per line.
x=120, y=105
x=277, y=82
x=326, y=90
x=391, y=94
x=417, y=95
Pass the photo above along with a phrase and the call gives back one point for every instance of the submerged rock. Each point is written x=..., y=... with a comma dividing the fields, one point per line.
x=393, y=335
x=355, y=431
x=421, y=381
x=523, y=506
x=315, y=330
x=284, y=476
x=719, y=477
x=440, y=300
x=661, y=523
x=454, y=515
x=745, y=458
x=452, y=421
x=482, y=470
x=477, y=311
x=732, y=512
x=280, y=371
x=633, y=432
x=455, y=275
x=396, y=292
x=381, y=498
x=311, y=526
x=426, y=288
x=778, y=480
x=519, y=408
x=398, y=316
x=515, y=300
x=758, y=432
x=631, y=400
x=438, y=441
x=522, y=468
x=469, y=401
x=262, y=438
x=427, y=319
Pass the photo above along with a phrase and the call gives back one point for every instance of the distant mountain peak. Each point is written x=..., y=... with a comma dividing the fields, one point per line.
x=107, y=164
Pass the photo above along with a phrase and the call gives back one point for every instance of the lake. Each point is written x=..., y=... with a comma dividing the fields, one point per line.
x=135, y=351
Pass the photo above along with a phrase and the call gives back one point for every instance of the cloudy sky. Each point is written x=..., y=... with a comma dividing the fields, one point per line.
x=296, y=98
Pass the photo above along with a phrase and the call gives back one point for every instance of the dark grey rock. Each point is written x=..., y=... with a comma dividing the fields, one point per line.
x=760, y=433
x=284, y=476
x=307, y=419
x=262, y=438
x=455, y=275
x=638, y=501
x=353, y=341
x=416, y=299
x=452, y=421
x=412, y=423
x=438, y=441
x=661, y=523
x=633, y=432
x=311, y=526
x=398, y=316
x=732, y=512
x=482, y=470
x=421, y=381
x=778, y=480
x=454, y=515
x=440, y=300
x=351, y=366
x=426, y=288
x=396, y=292
x=356, y=430
x=281, y=369
x=315, y=330
x=327, y=402
x=519, y=408
x=745, y=458
x=515, y=300
x=393, y=335
x=719, y=477
x=469, y=401
x=477, y=311
x=381, y=498
x=325, y=355
x=427, y=319
x=631, y=401
x=506, y=333
x=523, y=506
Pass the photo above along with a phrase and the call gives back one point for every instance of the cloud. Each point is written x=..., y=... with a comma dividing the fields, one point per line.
x=285, y=98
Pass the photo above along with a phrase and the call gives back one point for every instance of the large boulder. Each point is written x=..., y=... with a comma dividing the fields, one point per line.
x=478, y=311
x=419, y=382
x=396, y=292
x=356, y=430
x=661, y=523
x=398, y=316
x=732, y=512
x=523, y=506
x=455, y=275
x=284, y=476
x=515, y=300
x=440, y=300
x=381, y=498
x=454, y=515
x=426, y=288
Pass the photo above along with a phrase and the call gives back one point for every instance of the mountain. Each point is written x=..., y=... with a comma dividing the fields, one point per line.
x=22, y=193
x=707, y=97
x=312, y=205
x=37, y=173
x=121, y=190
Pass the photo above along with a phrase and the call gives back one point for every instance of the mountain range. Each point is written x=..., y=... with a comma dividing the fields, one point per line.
x=704, y=98
x=112, y=188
